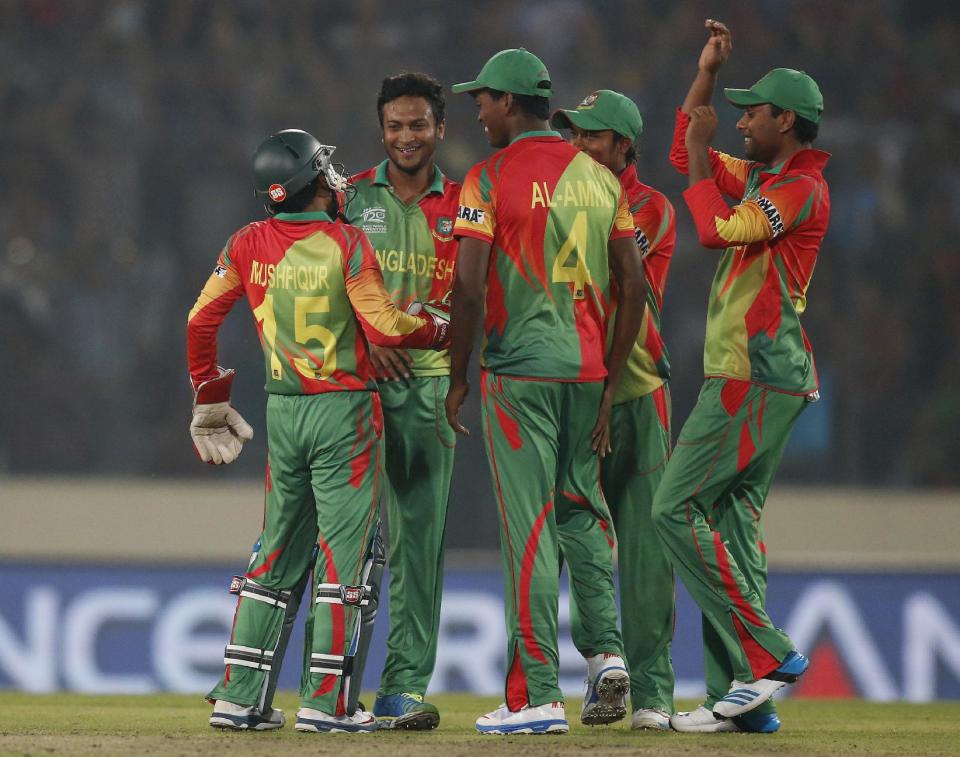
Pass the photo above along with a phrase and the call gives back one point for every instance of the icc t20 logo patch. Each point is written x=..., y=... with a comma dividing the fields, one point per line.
x=373, y=220
x=374, y=215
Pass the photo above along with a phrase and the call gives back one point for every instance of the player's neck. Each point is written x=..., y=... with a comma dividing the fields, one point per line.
x=407, y=186
x=789, y=148
x=319, y=204
x=523, y=124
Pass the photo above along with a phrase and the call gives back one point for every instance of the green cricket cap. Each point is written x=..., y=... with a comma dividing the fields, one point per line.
x=786, y=88
x=518, y=71
x=601, y=110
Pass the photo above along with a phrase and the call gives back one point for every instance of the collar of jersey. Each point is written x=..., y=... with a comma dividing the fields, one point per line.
x=317, y=215
x=809, y=158
x=435, y=188
x=534, y=134
x=629, y=177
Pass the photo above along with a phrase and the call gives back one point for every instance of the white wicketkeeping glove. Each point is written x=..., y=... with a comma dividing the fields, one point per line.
x=218, y=431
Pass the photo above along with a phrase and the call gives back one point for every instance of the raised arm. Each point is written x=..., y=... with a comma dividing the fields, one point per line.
x=730, y=173
x=714, y=54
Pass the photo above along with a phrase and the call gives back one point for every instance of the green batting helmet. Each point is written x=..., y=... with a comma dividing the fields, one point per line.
x=287, y=162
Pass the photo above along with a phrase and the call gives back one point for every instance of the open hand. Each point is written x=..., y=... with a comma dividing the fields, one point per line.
x=718, y=47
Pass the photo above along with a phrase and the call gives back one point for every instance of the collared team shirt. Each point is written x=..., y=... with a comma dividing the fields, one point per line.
x=654, y=221
x=548, y=211
x=414, y=244
x=770, y=242
x=316, y=291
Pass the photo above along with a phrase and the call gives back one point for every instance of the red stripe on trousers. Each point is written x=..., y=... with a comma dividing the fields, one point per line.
x=336, y=613
x=517, y=695
x=526, y=574
x=267, y=564
x=496, y=478
x=730, y=584
x=761, y=661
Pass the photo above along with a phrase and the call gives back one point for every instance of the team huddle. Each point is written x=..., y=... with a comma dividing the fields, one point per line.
x=368, y=293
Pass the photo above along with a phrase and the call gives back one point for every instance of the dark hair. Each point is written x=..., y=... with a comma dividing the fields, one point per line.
x=298, y=202
x=804, y=129
x=631, y=156
x=412, y=85
x=534, y=106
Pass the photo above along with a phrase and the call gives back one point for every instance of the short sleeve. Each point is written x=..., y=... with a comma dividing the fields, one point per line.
x=475, y=216
x=623, y=220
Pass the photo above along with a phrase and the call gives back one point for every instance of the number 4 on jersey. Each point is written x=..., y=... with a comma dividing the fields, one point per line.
x=577, y=274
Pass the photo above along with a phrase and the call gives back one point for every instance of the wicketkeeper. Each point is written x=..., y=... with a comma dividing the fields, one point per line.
x=317, y=294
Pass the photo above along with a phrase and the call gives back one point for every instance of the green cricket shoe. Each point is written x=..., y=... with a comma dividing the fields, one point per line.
x=407, y=711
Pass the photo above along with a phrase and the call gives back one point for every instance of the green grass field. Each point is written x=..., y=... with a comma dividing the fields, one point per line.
x=176, y=725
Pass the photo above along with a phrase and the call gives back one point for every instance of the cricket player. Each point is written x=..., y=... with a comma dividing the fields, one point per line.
x=606, y=126
x=759, y=371
x=541, y=226
x=317, y=297
x=406, y=207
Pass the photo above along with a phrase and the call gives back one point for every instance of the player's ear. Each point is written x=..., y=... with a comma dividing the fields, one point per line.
x=786, y=119
x=441, y=128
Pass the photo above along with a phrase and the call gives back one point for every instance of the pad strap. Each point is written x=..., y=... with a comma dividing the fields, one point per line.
x=246, y=587
x=248, y=657
x=330, y=664
x=343, y=594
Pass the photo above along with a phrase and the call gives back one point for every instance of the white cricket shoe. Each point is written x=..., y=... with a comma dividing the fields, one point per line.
x=649, y=718
x=607, y=686
x=316, y=721
x=743, y=697
x=239, y=717
x=545, y=718
x=702, y=720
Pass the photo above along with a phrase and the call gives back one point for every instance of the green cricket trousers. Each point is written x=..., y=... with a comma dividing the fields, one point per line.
x=707, y=513
x=323, y=482
x=547, y=487
x=418, y=448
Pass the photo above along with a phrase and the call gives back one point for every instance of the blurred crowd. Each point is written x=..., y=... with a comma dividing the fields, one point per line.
x=127, y=127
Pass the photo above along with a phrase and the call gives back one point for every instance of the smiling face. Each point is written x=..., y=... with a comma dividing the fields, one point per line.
x=410, y=132
x=763, y=133
x=605, y=146
x=493, y=115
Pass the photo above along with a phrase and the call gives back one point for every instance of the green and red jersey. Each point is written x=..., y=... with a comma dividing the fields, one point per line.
x=770, y=241
x=316, y=291
x=654, y=220
x=414, y=244
x=548, y=211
